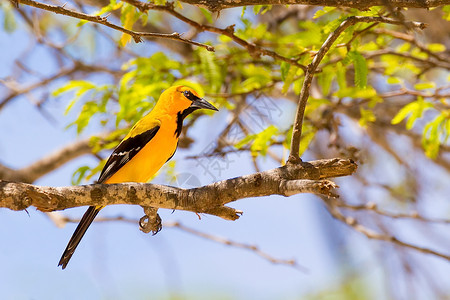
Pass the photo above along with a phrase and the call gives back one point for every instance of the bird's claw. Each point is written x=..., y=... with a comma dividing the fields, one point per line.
x=151, y=222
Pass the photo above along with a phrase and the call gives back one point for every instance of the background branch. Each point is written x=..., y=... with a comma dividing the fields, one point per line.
x=50, y=162
x=60, y=221
x=371, y=234
x=137, y=36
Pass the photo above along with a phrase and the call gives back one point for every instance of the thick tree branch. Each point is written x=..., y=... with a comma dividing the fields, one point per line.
x=287, y=180
x=217, y=5
x=311, y=69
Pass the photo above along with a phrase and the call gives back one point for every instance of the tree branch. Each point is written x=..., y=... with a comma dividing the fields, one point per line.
x=286, y=180
x=252, y=48
x=311, y=69
x=373, y=207
x=252, y=248
x=48, y=163
x=78, y=66
x=371, y=234
x=217, y=5
x=60, y=221
x=137, y=36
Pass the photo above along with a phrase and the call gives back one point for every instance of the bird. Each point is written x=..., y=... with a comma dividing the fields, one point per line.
x=150, y=143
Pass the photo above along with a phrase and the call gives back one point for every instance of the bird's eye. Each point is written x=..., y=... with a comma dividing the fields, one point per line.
x=187, y=94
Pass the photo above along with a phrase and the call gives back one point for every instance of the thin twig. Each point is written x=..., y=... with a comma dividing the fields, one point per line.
x=253, y=49
x=60, y=221
x=405, y=91
x=370, y=206
x=410, y=39
x=371, y=234
x=228, y=242
x=430, y=62
x=137, y=36
x=77, y=67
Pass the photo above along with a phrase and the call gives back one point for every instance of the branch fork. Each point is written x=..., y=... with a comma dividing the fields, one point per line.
x=286, y=181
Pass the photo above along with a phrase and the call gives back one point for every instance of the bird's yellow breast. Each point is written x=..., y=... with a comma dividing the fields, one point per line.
x=144, y=165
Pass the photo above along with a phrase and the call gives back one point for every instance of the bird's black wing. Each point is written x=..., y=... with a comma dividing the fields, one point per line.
x=125, y=151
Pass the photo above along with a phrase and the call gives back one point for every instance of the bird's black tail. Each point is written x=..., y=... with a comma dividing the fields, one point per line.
x=86, y=220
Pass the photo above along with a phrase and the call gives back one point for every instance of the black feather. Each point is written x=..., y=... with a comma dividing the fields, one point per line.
x=180, y=118
x=124, y=152
x=87, y=219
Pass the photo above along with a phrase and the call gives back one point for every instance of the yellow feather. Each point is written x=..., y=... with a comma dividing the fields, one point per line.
x=146, y=161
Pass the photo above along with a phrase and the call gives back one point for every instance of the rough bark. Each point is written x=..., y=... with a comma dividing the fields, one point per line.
x=286, y=180
x=217, y=5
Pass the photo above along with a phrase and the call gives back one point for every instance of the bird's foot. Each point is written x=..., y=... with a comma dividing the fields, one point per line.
x=151, y=222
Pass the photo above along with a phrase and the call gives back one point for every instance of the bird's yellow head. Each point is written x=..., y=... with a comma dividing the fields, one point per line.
x=182, y=100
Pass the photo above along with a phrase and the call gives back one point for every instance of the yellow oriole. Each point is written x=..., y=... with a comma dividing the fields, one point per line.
x=151, y=142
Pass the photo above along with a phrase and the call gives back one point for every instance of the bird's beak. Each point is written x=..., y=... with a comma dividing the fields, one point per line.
x=201, y=103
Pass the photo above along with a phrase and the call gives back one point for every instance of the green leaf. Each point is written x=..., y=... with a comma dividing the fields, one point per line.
x=433, y=133
x=9, y=21
x=113, y=5
x=98, y=95
x=446, y=12
x=284, y=69
x=415, y=111
x=435, y=47
x=340, y=75
x=314, y=103
x=394, y=80
x=257, y=9
x=210, y=69
x=244, y=141
x=367, y=116
x=260, y=142
x=424, y=85
x=207, y=14
x=325, y=79
x=263, y=140
x=79, y=174
x=323, y=11
x=403, y=48
x=289, y=79
x=128, y=17
x=331, y=26
x=404, y=112
x=310, y=36
x=80, y=85
x=361, y=69
x=69, y=107
x=308, y=134
x=354, y=92
x=244, y=8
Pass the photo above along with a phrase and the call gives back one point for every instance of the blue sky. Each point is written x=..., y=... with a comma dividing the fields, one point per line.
x=117, y=261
